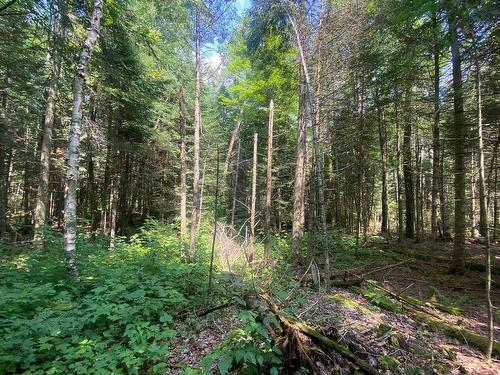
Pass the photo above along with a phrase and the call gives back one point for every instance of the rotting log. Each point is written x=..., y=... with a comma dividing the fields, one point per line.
x=473, y=266
x=292, y=325
x=462, y=334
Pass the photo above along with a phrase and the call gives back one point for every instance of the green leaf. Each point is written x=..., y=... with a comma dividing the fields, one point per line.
x=225, y=364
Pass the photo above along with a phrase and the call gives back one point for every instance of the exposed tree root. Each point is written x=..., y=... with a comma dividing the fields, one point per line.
x=294, y=330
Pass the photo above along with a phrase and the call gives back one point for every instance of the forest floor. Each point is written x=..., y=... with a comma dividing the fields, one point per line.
x=361, y=319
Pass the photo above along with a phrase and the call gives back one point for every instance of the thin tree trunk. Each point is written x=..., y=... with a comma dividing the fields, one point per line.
x=458, y=255
x=408, y=170
x=251, y=237
x=42, y=196
x=74, y=140
x=472, y=211
x=269, y=187
x=183, y=165
x=235, y=187
x=484, y=218
x=436, y=142
x=418, y=187
x=398, y=177
x=4, y=191
x=216, y=218
x=382, y=131
x=197, y=129
x=483, y=213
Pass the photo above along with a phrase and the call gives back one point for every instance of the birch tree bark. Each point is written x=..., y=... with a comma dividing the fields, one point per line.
x=74, y=140
x=183, y=165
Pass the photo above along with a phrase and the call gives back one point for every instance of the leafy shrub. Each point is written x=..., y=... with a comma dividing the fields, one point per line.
x=249, y=347
x=117, y=319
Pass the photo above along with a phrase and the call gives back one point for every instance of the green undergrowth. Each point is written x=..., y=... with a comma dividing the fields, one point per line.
x=119, y=318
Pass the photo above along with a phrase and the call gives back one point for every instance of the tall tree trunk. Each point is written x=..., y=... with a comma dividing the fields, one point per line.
x=408, y=170
x=269, y=187
x=4, y=191
x=458, y=255
x=483, y=213
x=382, y=132
x=74, y=140
x=42, y=196
x=398, y=176
x=436, y=142
x=317, y=156
x=484, y=217
x=197, y=129
x=251, y=237
x=298, y=215
x=183, y=165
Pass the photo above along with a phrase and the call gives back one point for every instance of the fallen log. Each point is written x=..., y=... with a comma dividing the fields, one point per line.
x=474, y=266
x=462, y=334
x=293, y=326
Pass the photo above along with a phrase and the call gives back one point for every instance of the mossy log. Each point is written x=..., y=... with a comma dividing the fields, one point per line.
x=438, y=306
x=462, y=334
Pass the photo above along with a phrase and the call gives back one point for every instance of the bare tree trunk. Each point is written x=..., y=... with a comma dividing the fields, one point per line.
x=269, y=187
x=458, y=255
x=113, y=205
x=234, y=137
x=183, y=165
x=382, y=131
x=436, y=142
x=317, y=156
x=398, y=177
x=408, y=170
x=42, y=196
x=4, y=191
x=484, y=218
x=251, y=237
x=300, y=176
x=216, y=219
x=202, y=187
x=418, y=187
x=197, y=129
x=472, y=211
x=235, y=187
x=483, y=213
x=442, y=197
x=74, y=140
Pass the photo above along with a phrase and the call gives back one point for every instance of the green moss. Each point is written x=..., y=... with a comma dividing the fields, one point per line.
x=388, y=362
x=340, y=299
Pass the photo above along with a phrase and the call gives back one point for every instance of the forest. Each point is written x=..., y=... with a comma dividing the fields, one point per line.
x=249, y=187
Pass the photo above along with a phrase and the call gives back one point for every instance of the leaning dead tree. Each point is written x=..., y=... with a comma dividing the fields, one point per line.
x=317, y=152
